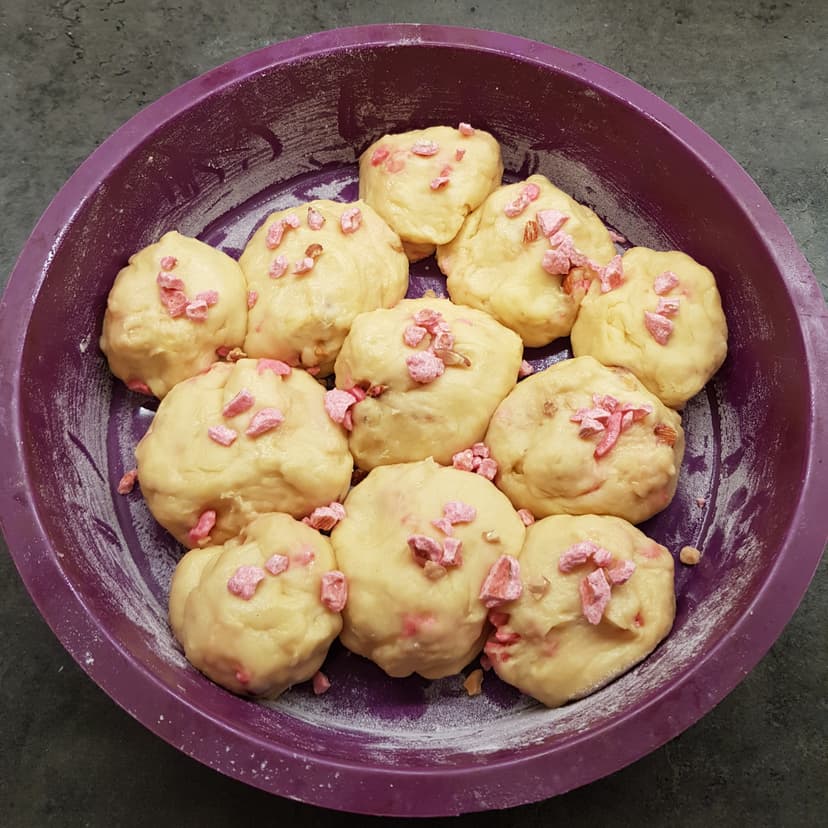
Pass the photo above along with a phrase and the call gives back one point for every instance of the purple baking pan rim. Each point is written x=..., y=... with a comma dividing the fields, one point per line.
x=514, y=776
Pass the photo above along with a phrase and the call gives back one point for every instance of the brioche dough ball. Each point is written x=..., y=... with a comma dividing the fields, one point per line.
x=559, y=654
x=302, y=318
x=398, y=614
x=546, y=467
x=611, y=326
x=150, y=349
x=405, y=187
x=412, y=420
x=264, y=640
x=292, y=467
x=495, y=261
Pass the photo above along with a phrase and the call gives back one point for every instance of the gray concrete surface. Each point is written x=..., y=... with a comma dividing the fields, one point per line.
x=754, y=75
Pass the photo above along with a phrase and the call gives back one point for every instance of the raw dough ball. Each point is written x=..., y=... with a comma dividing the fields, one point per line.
x=546, y=467
x=302, y=318
x=145, y=344
x=411, y=420
x=396, y=614
x=560, y=655
x=279, y=636
x=293, y=467
x=409, y=191
x=493, y=265
x=611, y=326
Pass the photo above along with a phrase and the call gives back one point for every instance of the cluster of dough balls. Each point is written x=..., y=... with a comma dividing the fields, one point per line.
x=470, y=514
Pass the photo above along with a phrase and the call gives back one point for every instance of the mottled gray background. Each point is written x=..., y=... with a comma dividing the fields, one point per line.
x=753, y=74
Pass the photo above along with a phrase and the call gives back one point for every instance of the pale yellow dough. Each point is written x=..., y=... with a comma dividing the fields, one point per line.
x=396, y=615
x=561, y=656
x=610, y=326
x=302, y=464
x=547, y=468
x=277, y=638
x=424, y=217
x=143, y=343
x=490, y=266
x=302, y=318
x=411, y=421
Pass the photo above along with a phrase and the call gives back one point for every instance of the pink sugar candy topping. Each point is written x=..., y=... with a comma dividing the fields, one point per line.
x=281, y=369
x=351, y=220
x=196, y=310
x=451, y=552
x=264, y=420
x=610, y=438
x=502, y=584
x=175, y=301
x=337, y=405
x=315, y=219
x=252, y=298
x=168, y=281
x=425, y=148
x=334, y=590
x=139, y=387
x=244, y=581
x=668, y=306
x=168, y=262
x=621, y=573
x=660, y=327
x=278, y=267
x=211, y=297
x=465, y=129
x=456, y=512
x=127, y=483
x=276, y=231
x=441, y=180
x=595, y=595
x=201, y=531
x=424, y=367
x=277, y=564
x=602, y=557
x=243, y=401
x=378, y=156
x=413, y=335
x=324, y=518
x=611, y=275
x=459, y=153
x=665, y=282
x=487, y=468
x=444, y=525
x=550, y=221
x=222, y=435
x=527, y=518
x=525, y=197
x=576, y=555
x=525, y=369
x=305, y=265
x=424, y=548
x=463, y=460
x=321, y=683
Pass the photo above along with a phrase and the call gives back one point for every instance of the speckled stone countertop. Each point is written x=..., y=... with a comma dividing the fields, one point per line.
x=754, y=75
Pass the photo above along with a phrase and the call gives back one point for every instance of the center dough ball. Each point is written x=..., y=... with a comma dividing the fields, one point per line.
x=250, y=613
x=312, y=279
x=237, y=441
x=579, y=438
x=425, y=182
x=406, y=617
x=598, y=597
x=497, y=262
x=172, y=309
x=433, y=398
